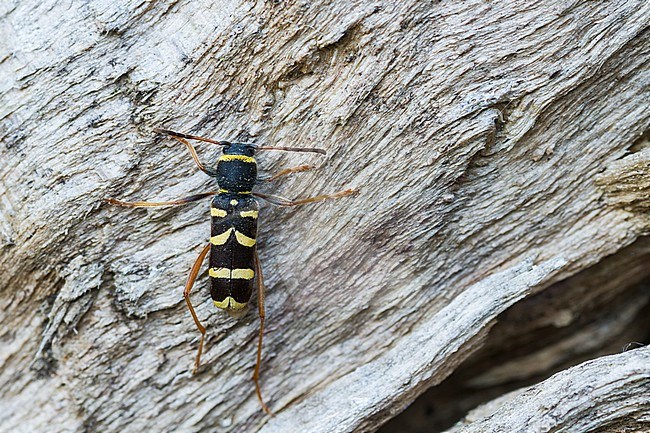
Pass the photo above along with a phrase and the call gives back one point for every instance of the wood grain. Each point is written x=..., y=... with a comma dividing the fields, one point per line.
x=491, y=142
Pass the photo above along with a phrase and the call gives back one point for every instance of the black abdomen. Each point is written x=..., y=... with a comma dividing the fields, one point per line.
x=232, y=252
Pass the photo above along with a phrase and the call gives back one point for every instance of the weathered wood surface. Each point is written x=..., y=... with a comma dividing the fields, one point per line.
x=610, y=394
x=492, y=142
x=603, y=309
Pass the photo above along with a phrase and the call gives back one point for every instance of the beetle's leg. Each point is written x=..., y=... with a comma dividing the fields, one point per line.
x=281, y=201
x=178, y=202
x=287, y=171
x=186, y=294
x=210, y=171
x=260, y=306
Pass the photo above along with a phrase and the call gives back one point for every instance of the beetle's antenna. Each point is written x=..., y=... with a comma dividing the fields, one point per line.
x=294, y=149
x=224, y=143
x=191, y=137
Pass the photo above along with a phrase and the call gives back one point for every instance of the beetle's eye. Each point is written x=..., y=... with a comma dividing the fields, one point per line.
x=249, y=151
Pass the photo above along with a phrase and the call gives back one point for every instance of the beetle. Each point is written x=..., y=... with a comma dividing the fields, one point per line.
x=234, y=265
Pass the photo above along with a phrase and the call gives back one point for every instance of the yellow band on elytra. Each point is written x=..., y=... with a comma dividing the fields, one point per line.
x=218, y=212
x=249, y=214
x=243, y=274
x=222, y=238
x=225, y=273
x=219, y=272
x=230, y=304
x=244, y=240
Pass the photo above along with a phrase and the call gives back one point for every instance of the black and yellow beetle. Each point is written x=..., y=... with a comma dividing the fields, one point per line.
x=234, y=263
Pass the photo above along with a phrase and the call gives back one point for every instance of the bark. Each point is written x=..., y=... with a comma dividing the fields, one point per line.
x=501, y=148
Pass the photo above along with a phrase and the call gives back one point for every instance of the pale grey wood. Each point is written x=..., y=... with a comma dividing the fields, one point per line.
x=602, y=310
x=430, y=348
x=485, y=137
x=610, y=394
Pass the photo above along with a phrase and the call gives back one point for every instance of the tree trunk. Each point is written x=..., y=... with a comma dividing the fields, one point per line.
x=501, y=152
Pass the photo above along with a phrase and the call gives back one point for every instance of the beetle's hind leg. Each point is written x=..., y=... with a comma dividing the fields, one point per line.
x=186, y=294
x=260, y=306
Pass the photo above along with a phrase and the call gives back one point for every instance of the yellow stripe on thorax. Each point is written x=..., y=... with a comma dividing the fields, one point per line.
x=226, y=191
x=244, y=158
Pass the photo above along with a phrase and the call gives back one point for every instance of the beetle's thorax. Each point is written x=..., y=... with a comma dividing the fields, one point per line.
x=237, y=168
